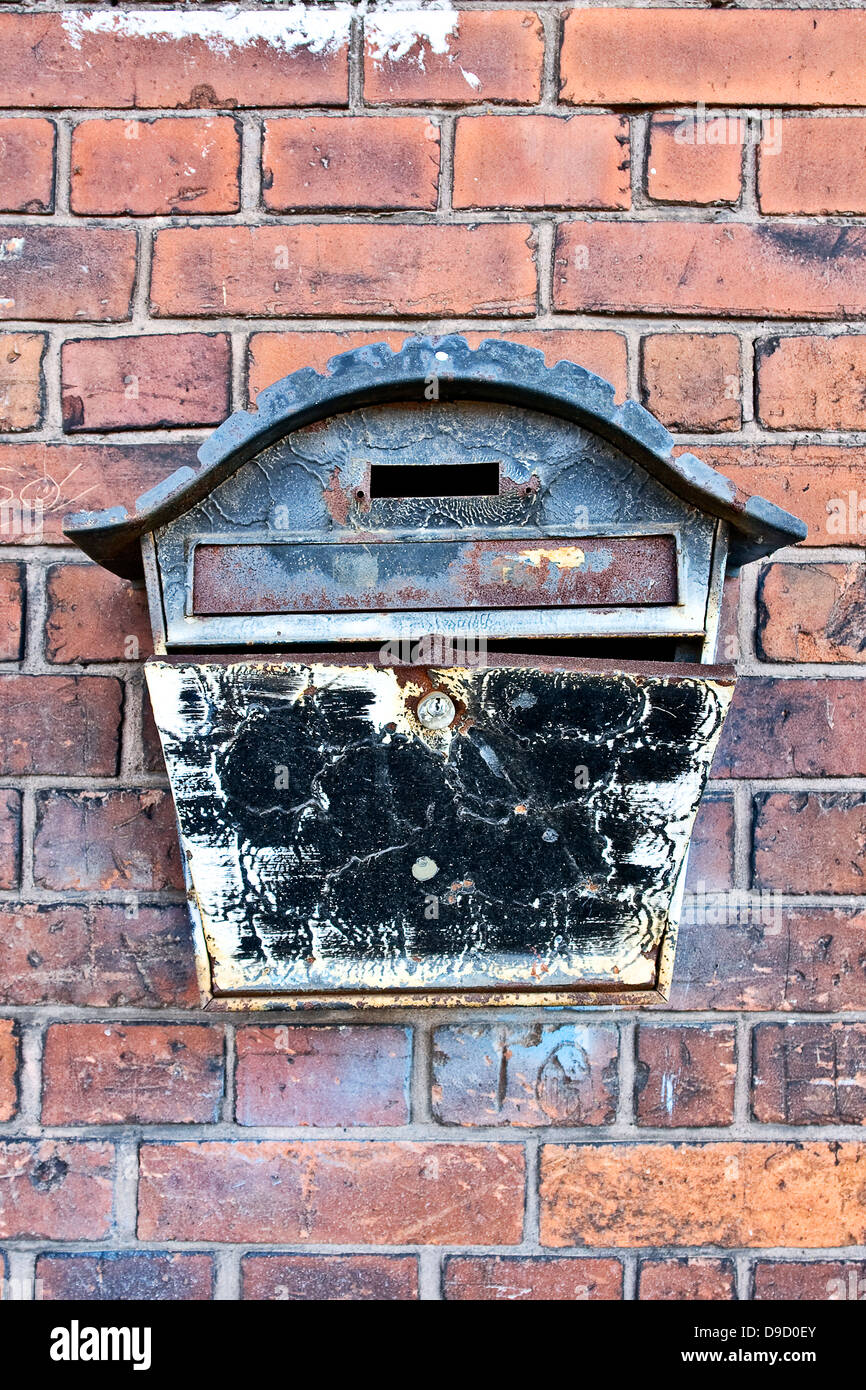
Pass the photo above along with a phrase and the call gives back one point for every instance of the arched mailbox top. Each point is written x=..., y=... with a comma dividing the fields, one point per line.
x=495, y=371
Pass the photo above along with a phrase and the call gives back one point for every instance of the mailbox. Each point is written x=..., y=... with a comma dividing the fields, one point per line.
x=434, y=679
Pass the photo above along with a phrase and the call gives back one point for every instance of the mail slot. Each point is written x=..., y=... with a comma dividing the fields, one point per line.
x=435, y=637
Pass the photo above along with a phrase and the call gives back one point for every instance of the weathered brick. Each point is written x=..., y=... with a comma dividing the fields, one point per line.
x=728, y=640
x=794, y=728
x=274, y=355
x=765, y=956
x=8, y=1068
x=150, y=757
x=163, y=379
x=816, y=1281
x=322, y=1076
x=68, y=725
x=52, y=479
x=162, y=165
x=103, y=840
x=109, y=58
x=12, y=578
x=684, y=1074
x=94, y=616
x=118, y=1275
x=824, y=485
x=685, y=166
x=313, y=269
x=711, y=853
x=101, y=956
x=455, y=58
x=541, y=162
x=20, y=381
x=350, y=162
x=706, y=268
x=66, y=273
x=812, y=383
x=27, y=164
x=691, y=381
x=809, y=842
x=686, y=1280
x=731, y=1194
x=515, y=1278
x=813, y=166
x=10, y=837
x=525, y=1074
x=631, y=57
x=812, y=613
x=330, y=1278
x=327, y=1192
x=55, y=1189
x=132, y=1073
x=809, y=1074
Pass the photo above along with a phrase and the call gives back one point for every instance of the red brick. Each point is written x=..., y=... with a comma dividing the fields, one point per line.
x=162, y=165
x=330, y=1278
x=103, y=840
x=275, y=355
x=685, y=1074
x=812, y=613
x=691, y=381
x=322, y=1076
x=55, y=1189
x=160, y=380
x=150, y=757
x=66, y=273
x=132, y=1073
x=12, y=578
x=809, y=1074
x=686, y=1280
x=120, y=61
x=731, y=1194
x=823, y=485
x=68, y=725
x=350, y=162
x=8, y=1068
x=10, y=837
x=794, y=728
x=458, y=58
x=310, y=270
x=525, y=1074
x=770, y=957
x=94, y=616
x=520, y=1278
x=374, y=1193
x=708, y=268
x=812, y=383
x=645, y=57
x=728, y=641
x=20, y=381
x=809, y=165
x=101, y=956
x=27, y=165
x=816, y=1281
x=684, y=166
x=711, y=853
x=52, y=479
x=808, y=842
x=116, y=1275
x=541, y=162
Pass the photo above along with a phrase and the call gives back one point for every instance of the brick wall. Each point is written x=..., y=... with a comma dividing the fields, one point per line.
x=190, y=216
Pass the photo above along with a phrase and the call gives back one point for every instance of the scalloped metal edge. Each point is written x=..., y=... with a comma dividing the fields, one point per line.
x=496, y=370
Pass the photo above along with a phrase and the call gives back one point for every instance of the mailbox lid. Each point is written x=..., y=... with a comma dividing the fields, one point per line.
x=337, y=847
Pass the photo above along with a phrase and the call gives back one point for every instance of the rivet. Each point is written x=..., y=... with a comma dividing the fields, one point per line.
x=424, y=868
x=436, y=710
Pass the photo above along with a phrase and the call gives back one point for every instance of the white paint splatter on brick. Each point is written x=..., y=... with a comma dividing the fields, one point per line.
x=223, y=30
x=393, y=31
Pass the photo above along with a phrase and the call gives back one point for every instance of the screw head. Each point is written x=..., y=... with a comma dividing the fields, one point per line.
x=436, y=710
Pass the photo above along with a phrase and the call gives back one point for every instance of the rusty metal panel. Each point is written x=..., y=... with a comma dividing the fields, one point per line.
x=367, y=574
x=534, y=844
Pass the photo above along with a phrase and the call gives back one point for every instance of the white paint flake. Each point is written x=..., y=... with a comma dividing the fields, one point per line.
x=393, y=30
x=224, y=30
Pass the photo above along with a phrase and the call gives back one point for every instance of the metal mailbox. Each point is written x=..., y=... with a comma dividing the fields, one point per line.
x=434, y=679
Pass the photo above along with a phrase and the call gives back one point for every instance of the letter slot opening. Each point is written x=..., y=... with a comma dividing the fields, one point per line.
x=434, y=480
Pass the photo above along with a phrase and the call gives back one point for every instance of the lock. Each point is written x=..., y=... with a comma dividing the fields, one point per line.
x=350, y=566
